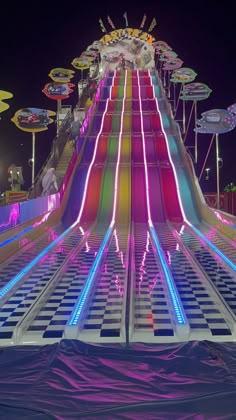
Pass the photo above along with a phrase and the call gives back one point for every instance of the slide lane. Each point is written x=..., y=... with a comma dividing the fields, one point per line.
x=166, y=176
x=155, y=188
x=185, y=188
x=124, y=182
x=138, y=190
x=78, y=185
x=107, y=196
x=105, y=317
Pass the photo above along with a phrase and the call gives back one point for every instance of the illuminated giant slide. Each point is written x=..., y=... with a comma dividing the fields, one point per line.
x=133, y=259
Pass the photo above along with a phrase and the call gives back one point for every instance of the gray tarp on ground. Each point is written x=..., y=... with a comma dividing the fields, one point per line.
x=73, y=380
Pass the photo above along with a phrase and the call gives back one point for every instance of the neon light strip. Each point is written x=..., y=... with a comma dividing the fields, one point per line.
x=174, y=295
x=119, y=150
x=93, y=159
x=211, y=245
x=83, y=297
x=25, y=270
x=79, y=307
x=17, y=236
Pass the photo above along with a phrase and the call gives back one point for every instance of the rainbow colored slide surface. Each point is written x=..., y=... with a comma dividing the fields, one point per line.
x=133, y=258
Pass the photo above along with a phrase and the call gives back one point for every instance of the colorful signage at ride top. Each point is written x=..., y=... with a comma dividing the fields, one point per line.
x=127, y=33
x=127, y=49
x=33, y=120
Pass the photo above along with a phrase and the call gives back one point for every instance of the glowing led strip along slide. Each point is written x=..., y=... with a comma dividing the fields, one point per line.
x=203, y=237
x=180, y=316
x=26, y=269
x=79, y=307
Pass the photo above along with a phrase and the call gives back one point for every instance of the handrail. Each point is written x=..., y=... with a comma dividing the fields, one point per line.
x=57, y=148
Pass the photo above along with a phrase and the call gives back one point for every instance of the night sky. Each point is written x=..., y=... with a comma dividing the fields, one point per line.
x=38, y=36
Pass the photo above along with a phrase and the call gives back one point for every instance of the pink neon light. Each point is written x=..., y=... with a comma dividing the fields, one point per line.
x=118, y=157
x=118, y=251
x=144, y=157
x=13, y=216
x=118, y=285
x=142, y=270
x=221, y=218
x=92, y=161
x=116, y=241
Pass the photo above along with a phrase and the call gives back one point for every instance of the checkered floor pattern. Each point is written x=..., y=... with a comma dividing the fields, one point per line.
x=203, y=307
x=19, y=302
x=225, y=245
x=26, y=254
x=221, y=278
x=56, y=307
x=150, y=308
x=38, y=309
x=105, y=318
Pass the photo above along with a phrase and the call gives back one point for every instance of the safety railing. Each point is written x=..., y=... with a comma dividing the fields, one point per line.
x=57, y=148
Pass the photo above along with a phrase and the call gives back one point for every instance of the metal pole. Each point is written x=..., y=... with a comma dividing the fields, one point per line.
x=33, y=156
x=160, y=69
x=164, y=78
x=178, y=99
x=189, y=122
x=174, y=97
x=196, y=145
x=217, y=173
x=209, y=148
x=168, y=84
x=184, y=125
x=58, y=112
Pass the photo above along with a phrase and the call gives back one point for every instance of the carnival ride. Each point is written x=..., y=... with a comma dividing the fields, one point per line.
x=133, y=253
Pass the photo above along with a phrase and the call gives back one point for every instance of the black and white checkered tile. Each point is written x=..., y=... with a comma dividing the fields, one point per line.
x=105, y=318
x=24, y=256
x=150, y=311
x=55, y=309
x=19, y=301
x=225, y=245
x=197, y=296
x=203, y=307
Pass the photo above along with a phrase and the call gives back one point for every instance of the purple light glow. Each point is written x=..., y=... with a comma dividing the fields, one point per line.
x=13, y=216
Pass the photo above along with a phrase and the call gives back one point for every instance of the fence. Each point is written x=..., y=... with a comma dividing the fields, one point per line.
x=227, y=201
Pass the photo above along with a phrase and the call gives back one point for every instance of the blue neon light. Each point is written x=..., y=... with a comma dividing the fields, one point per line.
x=7, y=241
x=76, y=314
x=25, y=270
x=214, y=248
x=174, y=297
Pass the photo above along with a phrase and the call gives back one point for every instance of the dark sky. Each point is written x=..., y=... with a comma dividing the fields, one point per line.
x=39, y=36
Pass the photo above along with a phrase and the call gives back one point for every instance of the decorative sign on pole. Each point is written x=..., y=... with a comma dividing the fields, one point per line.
x=60, y=75
x=183, y=75
x=195, y=92
x=33, y=120
x=172, y=64
x=58, y=92
x=81, y=63
x=217, y=121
